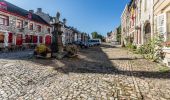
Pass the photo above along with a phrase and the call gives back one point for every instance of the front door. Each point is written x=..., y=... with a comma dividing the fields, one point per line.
x=147, y=36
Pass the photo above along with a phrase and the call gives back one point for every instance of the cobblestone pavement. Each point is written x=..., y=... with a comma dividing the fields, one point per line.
x=100, y=73
x=150, y=82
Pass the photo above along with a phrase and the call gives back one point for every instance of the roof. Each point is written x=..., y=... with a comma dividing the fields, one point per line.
x=22, y=12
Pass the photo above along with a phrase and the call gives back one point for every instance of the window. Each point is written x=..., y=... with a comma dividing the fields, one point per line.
x=38, y=28
x=4, y=20
x=161, y=24
x=31, y=26
x=19, y=24
x=28, y=38
x=48, y=30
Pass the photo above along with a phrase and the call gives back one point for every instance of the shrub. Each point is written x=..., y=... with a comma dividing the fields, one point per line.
x=152, y=49
x=131, y=46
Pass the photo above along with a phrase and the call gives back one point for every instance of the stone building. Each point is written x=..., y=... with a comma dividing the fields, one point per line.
x=162, y=18
x=113, y=37
x=19, y=27
x=146, y=19
x=69, y=34
x=124, y=25
x=139, y=21
x=162, y=25
x=43, y=15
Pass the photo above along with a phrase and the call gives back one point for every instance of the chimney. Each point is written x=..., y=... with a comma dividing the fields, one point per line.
x=32, y=11
x=39, y=10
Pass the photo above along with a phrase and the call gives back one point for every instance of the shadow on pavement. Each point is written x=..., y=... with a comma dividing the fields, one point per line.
x=122, y=59
x=93, y=60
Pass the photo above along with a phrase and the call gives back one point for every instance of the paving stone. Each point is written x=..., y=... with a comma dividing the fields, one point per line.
x=100, y=73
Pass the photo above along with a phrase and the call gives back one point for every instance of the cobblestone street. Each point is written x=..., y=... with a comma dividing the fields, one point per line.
x=98, y=73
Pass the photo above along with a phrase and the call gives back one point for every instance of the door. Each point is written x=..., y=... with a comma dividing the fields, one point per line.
x=19, y=39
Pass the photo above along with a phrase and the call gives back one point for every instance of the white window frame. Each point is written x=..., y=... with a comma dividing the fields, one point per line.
x=161, y=25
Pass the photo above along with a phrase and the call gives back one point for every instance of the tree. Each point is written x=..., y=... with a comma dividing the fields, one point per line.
x=94, y=35
x=109, y=33
x=118, y=34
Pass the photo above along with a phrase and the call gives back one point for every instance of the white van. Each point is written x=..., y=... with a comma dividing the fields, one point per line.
x=93, y=42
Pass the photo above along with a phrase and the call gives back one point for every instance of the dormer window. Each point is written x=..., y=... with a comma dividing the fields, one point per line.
x=3, y=5
x=4, y=20
x=38, y=28
x=31, y=26
x=29, y=15
x=19, y=24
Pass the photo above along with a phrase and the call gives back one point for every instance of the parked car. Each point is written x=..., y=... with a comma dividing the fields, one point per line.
x=94, y=42
x=82, y=44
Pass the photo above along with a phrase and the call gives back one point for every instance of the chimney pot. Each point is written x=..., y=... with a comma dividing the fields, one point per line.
x=32, y=11
x=39, y=10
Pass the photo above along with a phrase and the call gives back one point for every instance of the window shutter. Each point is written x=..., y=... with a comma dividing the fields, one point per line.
x=161, y=24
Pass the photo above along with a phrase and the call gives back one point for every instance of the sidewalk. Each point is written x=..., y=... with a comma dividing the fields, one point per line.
x=151, y=83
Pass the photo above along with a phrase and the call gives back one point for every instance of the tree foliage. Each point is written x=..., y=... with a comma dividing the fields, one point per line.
x=118, y=34
x=109, y=33
x=96, y=35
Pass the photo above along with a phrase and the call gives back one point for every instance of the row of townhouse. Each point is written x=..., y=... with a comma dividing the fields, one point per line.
x=141, y=20
x=112, y=36
x=69, y=34
x=22, y=28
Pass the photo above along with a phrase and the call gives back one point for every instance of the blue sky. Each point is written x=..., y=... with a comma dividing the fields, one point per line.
x=85, y=15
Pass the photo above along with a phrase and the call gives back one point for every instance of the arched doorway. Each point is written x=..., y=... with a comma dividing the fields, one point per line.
x=147, y=31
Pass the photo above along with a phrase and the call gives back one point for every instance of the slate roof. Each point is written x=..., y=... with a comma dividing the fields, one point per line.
x=22, y=12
